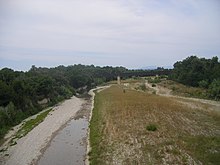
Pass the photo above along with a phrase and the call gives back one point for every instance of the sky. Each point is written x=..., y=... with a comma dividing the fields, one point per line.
x=129, y=33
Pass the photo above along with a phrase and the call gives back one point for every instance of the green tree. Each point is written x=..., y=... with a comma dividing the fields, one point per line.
x=6, y=94
x=214, y=89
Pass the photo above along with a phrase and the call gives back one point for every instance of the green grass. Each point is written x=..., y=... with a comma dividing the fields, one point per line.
x=26, y=127
x=205, y=149
x=96, y=126
x=30, y=124
x=151, y=127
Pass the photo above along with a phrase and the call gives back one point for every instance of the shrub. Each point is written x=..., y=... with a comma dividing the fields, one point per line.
x=163, y=76
x=143, y=87
x=154, y=80
x=151, y=127
x=153, y=85
x=214, y=89
x=203, y=84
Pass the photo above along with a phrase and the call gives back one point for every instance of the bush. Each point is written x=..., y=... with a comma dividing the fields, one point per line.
x=143, y=87
x=163, y=76
x=203, y=84
x=151, y=127
x=155, y=80
x=153, y=85
x=214, y=89
x=3, y=131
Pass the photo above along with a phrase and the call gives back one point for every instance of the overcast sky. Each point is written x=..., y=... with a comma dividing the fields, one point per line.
x=130, y=33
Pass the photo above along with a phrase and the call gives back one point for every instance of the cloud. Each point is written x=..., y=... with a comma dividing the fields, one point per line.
x=142, y=31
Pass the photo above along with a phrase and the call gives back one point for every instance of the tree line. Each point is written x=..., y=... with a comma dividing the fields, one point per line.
x=26, y=93
x=199, y=72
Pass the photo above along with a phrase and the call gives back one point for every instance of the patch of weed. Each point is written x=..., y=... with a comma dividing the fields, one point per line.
x=205, y=149
x=3, y=150
x=13, y=143
x=151, y=127
x=154, y=80
x=143, y=87
x=30, y=124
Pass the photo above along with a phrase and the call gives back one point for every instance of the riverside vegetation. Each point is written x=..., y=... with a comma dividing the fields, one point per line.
x=199, y=72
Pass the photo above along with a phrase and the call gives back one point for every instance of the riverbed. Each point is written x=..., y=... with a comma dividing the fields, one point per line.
x=69, y=145
x=30, y=148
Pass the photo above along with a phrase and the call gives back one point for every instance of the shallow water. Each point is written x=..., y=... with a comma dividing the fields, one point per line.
x=68, y=147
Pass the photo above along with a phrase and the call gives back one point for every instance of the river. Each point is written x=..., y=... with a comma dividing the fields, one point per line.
x=68, y=147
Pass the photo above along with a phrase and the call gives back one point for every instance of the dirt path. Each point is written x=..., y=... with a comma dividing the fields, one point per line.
x=192, y=102
x=159, y=89
x=29, y=147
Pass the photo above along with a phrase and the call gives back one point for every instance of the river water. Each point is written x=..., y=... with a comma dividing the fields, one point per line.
x=68, y=147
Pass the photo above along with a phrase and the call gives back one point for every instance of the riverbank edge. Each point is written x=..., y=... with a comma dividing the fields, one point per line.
x=92, y=94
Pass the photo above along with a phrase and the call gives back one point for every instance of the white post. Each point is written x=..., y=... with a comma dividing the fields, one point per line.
x=119, y=80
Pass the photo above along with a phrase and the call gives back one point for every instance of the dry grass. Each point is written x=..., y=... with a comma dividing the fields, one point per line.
x=131, y=81
x=182, y=90
x=119, y=134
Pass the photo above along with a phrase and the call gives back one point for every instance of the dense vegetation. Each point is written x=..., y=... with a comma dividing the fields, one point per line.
x=25, y=93
x=199, y=72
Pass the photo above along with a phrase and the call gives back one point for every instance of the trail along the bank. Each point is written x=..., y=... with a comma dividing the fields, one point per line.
x=28, y=148
x=162, y=91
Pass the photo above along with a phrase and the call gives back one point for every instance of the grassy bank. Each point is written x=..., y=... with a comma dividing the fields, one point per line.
x=29, y=125
x=138, y=128
x=96, y=134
